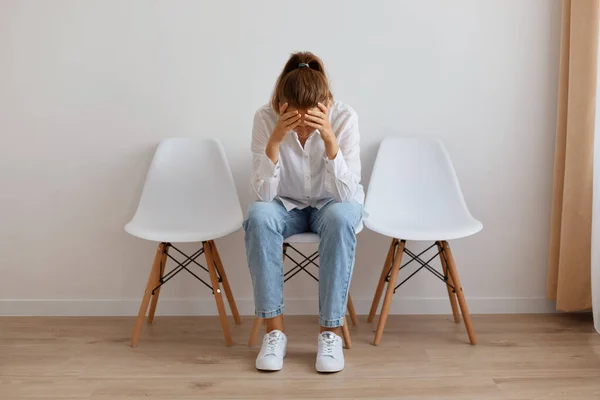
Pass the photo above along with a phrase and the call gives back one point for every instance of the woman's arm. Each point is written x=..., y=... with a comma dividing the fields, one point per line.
x=342, y=160
x=265, y=151
x=265, y=173
x=342, y=178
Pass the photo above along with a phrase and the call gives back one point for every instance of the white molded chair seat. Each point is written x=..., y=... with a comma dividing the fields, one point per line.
x=189, y=194
x=415, y=227
x=311, y=237
x=414, y=193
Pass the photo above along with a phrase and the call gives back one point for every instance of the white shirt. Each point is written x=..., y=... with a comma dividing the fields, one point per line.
x=305, y=176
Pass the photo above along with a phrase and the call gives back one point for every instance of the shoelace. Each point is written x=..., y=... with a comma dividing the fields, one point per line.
x=272, y=341
x=328, y=344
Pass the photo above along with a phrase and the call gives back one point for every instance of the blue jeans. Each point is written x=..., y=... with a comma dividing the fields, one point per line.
x=268, y=224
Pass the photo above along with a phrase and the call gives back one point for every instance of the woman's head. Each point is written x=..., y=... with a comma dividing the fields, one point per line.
x=302, y=83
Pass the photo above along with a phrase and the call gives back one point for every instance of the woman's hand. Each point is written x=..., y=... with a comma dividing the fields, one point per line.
x=286, y=122
x=319, y=119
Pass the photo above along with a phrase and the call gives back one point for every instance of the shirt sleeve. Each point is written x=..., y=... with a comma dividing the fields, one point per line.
x=342, y=178
x=265, y=174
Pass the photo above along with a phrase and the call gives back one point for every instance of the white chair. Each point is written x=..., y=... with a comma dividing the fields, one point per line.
x=300, y=265
x=414, y=194
x=189, y=196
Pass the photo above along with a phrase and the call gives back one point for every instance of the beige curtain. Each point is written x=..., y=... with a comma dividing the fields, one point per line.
x=569, y=281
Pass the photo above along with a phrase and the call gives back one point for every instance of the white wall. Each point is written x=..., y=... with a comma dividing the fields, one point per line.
x=88, y=89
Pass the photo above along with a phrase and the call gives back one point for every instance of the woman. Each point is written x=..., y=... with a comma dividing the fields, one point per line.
x=306, y=176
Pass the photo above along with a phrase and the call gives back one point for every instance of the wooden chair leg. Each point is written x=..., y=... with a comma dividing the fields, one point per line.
x=346, y=334
x=152, y=279
x=387, y=302
x=226, y=287
x=384, y=273
x=459, y=292
x=352, y=311
x=254, y=332
x=217, y=292
x=451, y=294
x=161, y=273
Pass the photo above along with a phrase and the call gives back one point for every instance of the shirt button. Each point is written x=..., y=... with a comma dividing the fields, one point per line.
x=306, y=178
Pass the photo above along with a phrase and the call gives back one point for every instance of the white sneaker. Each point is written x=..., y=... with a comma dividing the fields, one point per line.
x=272, y=352
x=330, y=356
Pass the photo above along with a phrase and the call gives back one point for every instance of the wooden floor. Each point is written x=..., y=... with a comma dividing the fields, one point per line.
x=420, y=357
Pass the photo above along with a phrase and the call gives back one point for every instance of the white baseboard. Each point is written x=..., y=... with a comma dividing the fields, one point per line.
x=206, y=306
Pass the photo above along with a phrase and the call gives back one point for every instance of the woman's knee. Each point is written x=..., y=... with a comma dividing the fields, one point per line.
x=262, y=215
x=341, y=217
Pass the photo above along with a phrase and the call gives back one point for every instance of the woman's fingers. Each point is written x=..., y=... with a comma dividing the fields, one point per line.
x=289, y=115
x=282, y=108
x=314, y=118
x=294, y=124
x=316, y=113
x=294, y=120
x=313, y=124
x=324, y=108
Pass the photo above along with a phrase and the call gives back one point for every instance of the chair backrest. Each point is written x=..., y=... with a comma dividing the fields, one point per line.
x=190, y=188
x=413, y=179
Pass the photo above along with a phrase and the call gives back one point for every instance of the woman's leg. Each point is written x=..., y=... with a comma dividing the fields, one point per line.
x=266, y=227
x=335, y=223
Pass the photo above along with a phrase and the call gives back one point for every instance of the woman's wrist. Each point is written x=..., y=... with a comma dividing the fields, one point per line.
x=272, y=150
x=331, y=148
